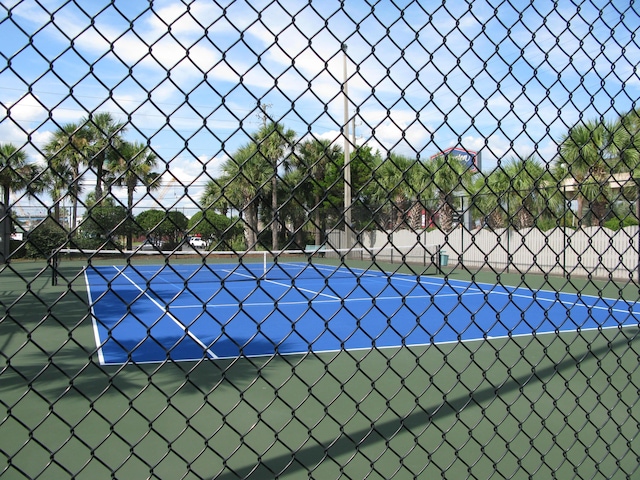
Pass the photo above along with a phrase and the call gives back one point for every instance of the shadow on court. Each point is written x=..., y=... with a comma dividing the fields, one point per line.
x=349, y=443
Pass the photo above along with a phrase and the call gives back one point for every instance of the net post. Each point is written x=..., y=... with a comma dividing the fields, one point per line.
x=54, y=261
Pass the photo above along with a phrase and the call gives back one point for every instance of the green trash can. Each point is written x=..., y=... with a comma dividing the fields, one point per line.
x=444, y=258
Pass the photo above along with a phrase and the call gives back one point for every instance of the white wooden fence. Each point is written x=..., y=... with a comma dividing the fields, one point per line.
x=593, y=251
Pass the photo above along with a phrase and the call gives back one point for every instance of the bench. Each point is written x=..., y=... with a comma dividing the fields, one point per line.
x=314, y=249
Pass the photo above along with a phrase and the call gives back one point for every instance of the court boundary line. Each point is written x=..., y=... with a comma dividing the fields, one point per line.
x=506, y=287
x=330, y=300
x=471, y=287
x=510, y=290
x=94, y=322
x=316, y=293
x=420, y=345
x=166, y=312
x=411, y=297
x=363, y=349
x=399, y=275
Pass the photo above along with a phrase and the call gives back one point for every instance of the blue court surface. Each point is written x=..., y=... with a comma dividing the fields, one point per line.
x=190, y=312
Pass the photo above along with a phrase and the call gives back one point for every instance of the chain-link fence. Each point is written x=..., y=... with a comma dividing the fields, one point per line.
x=280, y=239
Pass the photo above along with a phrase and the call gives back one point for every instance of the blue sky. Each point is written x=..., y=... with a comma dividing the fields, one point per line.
x=188, y=77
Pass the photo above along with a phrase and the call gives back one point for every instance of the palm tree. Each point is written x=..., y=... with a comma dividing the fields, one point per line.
x=16, y=172
x=419, y=190
x=486, y=202
x=58, y=182
x=588, y=156
x=394, y=186
x=104, y=139
x=448, y=175
x=274, y=143
x=629, y=153
x=246, y=177
x=132, y=165
x=65, y=156
x=213, y=198
x=314, y=157
x=628, y=137
x=364, y=163
x=295, y=211
x=521, y=184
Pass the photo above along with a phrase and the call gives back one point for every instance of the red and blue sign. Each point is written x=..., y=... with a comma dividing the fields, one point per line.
x=471, y=159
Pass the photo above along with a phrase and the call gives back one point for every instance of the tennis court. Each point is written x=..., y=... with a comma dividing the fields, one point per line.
x=151, y=313
x=516, y=393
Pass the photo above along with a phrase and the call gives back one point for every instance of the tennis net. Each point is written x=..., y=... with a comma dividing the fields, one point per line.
x=228, y=266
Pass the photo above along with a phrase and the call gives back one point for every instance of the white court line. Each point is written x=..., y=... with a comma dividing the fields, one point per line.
x=166, y=312
x=406, y=278
x=399, y=297
x=307, y=302
x=330, y=269
x=465, y=284
x=451, y=283
x=491, y=286
x=181, y=288
x=94, y=318
x=568, y=304
x=333, y=298
x=287, y=285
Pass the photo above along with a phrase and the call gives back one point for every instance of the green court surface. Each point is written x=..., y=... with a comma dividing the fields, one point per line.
x=542, y=406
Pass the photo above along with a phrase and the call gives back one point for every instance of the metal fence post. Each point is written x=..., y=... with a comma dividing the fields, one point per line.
x=5, y=234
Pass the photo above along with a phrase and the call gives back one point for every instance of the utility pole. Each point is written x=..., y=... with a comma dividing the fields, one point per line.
x=262, y=115
x=347, y=153
x=353, y=131
x=265, y=148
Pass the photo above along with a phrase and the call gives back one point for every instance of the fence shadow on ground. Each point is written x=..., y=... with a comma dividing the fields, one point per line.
x=348, y=443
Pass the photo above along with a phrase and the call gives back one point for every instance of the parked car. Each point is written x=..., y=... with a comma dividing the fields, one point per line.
x=197, y=242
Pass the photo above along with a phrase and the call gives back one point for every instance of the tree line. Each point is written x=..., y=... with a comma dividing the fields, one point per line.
x=285, y=190
x=94, y=145
x=397, y=191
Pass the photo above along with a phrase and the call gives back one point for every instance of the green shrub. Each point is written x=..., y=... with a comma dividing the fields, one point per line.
x=617, y=223
x=107, y=222
x=162, y=225
x=85, y=242
x=47, y=237
x=18, y=249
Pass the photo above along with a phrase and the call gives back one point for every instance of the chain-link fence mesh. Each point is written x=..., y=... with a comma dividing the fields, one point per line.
x=280, y=239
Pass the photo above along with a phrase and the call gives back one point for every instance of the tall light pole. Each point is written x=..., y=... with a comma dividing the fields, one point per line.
x=347, y=153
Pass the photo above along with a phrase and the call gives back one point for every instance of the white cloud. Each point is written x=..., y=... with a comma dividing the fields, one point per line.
x=26, y=109
x=183, y=185
x=22, y=121
x=498, y=148
x=11, y=133
x=398, y=130
x=185, y=53
x=183, y=20
x=190, y=21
